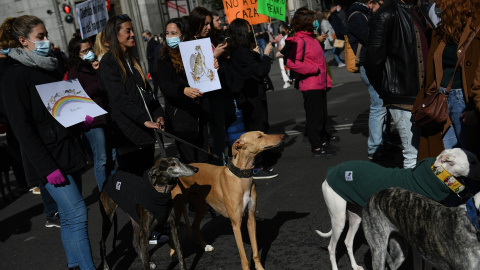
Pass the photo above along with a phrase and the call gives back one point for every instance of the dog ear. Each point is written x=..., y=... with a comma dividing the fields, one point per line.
x=238, y=144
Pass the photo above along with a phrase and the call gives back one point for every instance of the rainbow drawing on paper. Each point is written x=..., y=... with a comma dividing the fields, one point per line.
x=60, y=103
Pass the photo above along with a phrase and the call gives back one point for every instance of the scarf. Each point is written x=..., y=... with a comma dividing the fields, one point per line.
x=33, y=60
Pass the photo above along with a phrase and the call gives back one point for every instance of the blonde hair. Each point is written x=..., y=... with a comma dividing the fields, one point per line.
x=99, y=47
x=13, y=28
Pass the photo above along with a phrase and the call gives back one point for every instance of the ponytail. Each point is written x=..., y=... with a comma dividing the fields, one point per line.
x=13, y=28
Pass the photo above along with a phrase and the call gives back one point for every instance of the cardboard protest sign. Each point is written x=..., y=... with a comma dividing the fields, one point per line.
x=272, y=8
x=197, y=58
x=92, y=16
x=68, y=102
x=244, y=9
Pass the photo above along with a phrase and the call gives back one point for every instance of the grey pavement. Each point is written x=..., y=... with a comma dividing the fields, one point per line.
x=289, y=208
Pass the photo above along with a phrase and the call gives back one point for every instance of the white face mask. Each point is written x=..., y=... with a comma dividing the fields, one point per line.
x=338, y=9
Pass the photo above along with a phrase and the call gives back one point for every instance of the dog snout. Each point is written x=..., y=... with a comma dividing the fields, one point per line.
x=195, y=169
x=283, y=136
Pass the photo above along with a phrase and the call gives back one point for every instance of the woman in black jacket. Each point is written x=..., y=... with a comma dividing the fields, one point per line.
x=83, y=66
x=128, y=93
x=51, y=153
x=183, y=104
x=246, y=72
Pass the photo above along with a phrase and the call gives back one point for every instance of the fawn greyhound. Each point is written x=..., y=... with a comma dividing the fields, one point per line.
x=229, y=190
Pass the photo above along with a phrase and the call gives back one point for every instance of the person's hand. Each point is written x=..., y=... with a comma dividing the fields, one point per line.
x=95, y=64
x=279, y=54
x=268, y=48
x=152, y=125
x=192, y=92
x=219, y=50
x=322, y=37
x=56, y=177
x=161, y=123
x=470, y=118
x=87, y=123
x=215, y=63
x=257, y=50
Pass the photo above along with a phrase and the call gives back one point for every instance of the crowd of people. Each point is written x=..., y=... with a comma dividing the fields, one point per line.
x=406, y=52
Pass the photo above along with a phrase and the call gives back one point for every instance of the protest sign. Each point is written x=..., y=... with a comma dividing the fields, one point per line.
x=68, y=102
x=244, y=9
x=92, y=16
x=197, y=57
x=272, y=8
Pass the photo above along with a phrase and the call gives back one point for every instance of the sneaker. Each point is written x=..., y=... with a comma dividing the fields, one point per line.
x=53, y=221
x=35, y=190
x=287, y=85
x=157, y=238
x=323, y=151
x=341, y=65
x=263, y=174
x=334, y=138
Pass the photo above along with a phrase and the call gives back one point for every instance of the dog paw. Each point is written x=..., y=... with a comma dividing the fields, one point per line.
x=208, y=248
x=152, y=265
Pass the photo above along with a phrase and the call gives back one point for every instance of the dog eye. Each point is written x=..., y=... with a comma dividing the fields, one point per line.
x=260, y=136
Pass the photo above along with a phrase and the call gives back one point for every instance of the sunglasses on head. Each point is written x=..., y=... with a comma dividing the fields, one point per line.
x=124, y=17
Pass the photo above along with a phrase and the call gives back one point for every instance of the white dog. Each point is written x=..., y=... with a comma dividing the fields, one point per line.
x=349, y=185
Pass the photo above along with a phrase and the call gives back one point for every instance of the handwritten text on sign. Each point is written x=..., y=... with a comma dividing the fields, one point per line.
x=272, y=8
x=244, y=9
x=92, y=16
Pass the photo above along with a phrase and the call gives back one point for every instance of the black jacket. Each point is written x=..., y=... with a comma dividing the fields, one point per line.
x=357, y=28
x=337, y=25
x=183, y=113
x=151, y=45
x=391, y=58
x=127, y=110
x=45, y=144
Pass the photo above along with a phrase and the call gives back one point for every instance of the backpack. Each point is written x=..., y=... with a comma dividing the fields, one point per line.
x=352, y=59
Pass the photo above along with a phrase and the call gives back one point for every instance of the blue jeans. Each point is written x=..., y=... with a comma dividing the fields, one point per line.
x=456, y=135
x=377, y=116
x=409, y=135
x=73, y=221
x=335, y=56
x=261, y=44
x=103, y=155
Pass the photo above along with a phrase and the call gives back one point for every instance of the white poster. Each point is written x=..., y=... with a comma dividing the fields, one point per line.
x=68, y=102
x=197, y=57
x=92, y=16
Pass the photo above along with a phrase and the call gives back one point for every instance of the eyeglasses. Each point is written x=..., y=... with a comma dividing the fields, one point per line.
x=86, y=50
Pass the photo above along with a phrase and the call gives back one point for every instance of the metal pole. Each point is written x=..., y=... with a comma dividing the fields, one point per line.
x=60, y=24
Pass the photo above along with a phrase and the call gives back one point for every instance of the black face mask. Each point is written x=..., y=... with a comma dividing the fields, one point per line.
x=283, y=33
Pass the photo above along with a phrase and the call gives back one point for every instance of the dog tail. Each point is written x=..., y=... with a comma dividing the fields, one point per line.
x=324, y=235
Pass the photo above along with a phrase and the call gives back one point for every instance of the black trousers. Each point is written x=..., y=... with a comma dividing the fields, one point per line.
x=315, y=104
x=188, y=154
x=221, y=116
x=138, y=161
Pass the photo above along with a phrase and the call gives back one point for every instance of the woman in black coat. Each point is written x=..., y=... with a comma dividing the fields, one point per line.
x=183, y=104
x=51, y=153
x=128, y=93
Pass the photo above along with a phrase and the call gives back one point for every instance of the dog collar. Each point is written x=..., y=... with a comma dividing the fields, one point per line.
x=239, y=172
x=164, y=189
x=449, y=180
x=473, y=214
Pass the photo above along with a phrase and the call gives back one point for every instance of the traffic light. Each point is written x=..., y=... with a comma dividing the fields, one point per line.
x=68, y=10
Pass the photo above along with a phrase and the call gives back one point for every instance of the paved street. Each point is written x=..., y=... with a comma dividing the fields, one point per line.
x=290, y=207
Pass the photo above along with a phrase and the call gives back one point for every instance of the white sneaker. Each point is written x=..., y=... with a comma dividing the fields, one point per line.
x=341, y=65
x=286, y=85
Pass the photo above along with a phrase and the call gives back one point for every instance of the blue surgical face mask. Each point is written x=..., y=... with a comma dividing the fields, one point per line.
x=173, y=42
x=42, y=47
x=144, y=38
x=89, y=57
x=316, y=25
x=5, y=52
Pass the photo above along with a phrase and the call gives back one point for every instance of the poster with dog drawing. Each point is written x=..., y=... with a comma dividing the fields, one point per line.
x=68, y=102
x=197, y=57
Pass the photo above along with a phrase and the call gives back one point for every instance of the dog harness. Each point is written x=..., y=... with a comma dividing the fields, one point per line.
x=239, y=172
x=129, y=190
x=356, y=181
x=449, y=180
x=473, y=213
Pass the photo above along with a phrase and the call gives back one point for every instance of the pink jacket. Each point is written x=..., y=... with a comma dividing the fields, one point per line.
x=313, y=69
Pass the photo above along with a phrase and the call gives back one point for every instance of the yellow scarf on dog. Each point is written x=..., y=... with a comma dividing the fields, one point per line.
x=449, y=180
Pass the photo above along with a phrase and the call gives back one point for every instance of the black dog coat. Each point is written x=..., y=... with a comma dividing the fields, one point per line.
x=128, y=190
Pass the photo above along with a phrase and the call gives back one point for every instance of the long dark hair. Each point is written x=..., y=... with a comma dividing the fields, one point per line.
x=196, y=20
x=174, y=54
x=113, y=26
x=239, y=35
x=73, y=48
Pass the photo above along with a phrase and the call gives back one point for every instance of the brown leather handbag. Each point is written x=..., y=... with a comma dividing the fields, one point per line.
x=433, y=110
